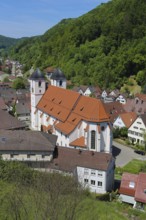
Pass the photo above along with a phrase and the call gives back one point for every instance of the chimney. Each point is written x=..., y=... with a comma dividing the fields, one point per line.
x=80, y=151
x=92, y=153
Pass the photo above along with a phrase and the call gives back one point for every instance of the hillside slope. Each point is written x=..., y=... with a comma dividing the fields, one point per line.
x=104, y=46
x=6, y=42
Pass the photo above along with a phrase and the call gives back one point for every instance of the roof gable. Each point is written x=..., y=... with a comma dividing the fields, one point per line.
x=128, y=118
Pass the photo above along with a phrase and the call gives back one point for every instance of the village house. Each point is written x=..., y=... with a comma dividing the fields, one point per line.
x=121, y=98
x=133, y=189
x=137, y=104
x=137, y=130
x=94, y=170
x=114, y=109
x=28, y=146
x=88, y=90
x=125, y=120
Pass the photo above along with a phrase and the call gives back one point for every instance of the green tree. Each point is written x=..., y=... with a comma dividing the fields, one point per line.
x=6, y=79
x=18, y=83
x=141, y=77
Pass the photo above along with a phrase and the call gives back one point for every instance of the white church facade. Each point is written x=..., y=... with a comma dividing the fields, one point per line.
x=77, y=120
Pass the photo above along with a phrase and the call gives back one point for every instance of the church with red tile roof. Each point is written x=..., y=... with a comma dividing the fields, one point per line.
x=79, y=121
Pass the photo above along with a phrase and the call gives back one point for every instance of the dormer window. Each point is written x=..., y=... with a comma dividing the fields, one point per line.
x=82, y=109
x=73, y=119
x=132, y=184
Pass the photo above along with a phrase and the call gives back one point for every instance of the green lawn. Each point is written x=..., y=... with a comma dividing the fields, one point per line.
x=134, y=166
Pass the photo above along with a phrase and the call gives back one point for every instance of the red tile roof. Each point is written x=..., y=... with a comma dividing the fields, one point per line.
x=70, y=108
x=128, y=118
x=138, y=191
x=124, y=187
x=58, y=102
x=141, y=96
x=140, y=194
x=79, y=142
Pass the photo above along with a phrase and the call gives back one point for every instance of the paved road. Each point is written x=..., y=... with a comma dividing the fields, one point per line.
x=124, y=154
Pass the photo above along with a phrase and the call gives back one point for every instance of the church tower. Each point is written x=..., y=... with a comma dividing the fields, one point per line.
x=37, y=89
x=58, y=78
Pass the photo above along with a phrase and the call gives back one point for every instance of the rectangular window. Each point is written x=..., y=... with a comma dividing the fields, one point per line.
x=93, y=182
x=142, y=129
x=100, y=173
x=86, y=171
x=99, y=184
x=85, y=180
x=93, y=172
x=135, y=127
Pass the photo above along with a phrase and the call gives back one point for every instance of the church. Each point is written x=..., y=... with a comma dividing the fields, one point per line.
x=78, y=121
x=82, y=127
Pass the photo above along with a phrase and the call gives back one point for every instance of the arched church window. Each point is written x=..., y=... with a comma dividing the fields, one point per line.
x=60, y=83
x=40, y=83
x=92, y=139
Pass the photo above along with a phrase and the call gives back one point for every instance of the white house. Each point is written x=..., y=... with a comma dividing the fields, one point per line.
x=78, y=121
x=137, y=129
x=92, y=169
x=125, y=120
x=121, y=99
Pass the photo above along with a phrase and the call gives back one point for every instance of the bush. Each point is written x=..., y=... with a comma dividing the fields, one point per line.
x=103, y=197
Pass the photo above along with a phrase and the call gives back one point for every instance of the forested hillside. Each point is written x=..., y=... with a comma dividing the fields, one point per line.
x=6, y=42
x=104, y=46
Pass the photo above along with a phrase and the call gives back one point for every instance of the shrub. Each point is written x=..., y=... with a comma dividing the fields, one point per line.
x=103, y=197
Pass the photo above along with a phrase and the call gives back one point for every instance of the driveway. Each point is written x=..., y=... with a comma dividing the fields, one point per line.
x=124, y=154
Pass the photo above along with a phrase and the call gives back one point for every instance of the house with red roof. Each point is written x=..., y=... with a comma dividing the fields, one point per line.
x=137, y=130
x=133, y=189
x=125, y=120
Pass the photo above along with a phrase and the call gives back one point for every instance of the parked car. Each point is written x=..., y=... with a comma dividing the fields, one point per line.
x=139, y=152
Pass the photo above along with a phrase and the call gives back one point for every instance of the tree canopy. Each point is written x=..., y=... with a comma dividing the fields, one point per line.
x=104, y=46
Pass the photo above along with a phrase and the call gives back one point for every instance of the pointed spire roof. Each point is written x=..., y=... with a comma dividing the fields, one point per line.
x=57, y=74
x=37, y=75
